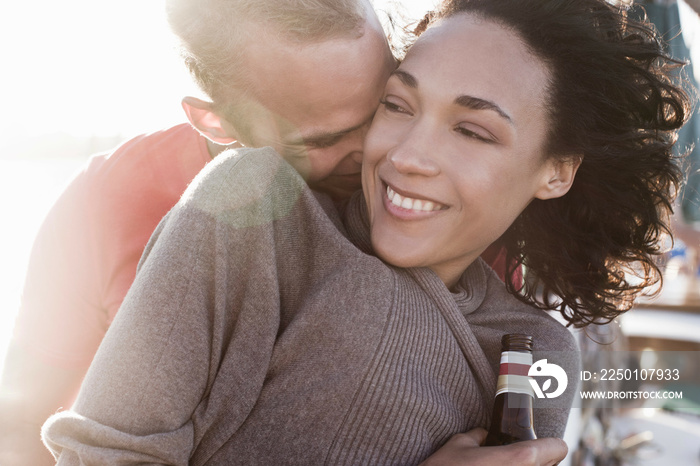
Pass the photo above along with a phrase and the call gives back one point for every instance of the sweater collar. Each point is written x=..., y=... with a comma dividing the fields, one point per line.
x=469, y=292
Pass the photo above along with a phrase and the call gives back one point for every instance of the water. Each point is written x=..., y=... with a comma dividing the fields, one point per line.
x=27, y=191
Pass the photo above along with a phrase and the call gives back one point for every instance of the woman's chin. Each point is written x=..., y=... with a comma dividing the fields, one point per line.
x=396, y=254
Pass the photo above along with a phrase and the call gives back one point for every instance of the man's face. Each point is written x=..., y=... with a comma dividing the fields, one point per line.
x=313, y=103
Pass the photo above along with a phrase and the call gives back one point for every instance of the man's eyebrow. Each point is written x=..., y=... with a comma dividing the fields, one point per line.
x=476, y=103
x=326, y=138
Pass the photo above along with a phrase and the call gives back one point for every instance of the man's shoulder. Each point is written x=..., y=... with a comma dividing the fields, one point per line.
x=147, y=166
x=141, y=180
x=160, y=150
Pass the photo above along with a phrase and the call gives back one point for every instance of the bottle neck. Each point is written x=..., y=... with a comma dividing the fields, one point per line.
x=512, y=376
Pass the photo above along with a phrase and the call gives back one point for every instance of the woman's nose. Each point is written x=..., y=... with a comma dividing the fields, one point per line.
x=414, y=157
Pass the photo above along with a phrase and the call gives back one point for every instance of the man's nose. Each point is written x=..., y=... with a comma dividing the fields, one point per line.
x=356, y=144
x=357, y=156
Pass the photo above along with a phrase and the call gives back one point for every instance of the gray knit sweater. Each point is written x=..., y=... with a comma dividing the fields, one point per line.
x=260, y=330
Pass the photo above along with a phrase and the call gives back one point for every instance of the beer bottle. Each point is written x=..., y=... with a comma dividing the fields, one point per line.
x=512, y=418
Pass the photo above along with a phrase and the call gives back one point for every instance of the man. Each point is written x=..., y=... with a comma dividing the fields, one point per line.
x=310, y=93
x=304, y=77
x=305, y=81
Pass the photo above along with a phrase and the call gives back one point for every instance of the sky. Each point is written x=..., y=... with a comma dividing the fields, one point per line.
x=87, y=67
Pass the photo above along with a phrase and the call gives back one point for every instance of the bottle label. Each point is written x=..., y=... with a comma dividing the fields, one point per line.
x=512, y=376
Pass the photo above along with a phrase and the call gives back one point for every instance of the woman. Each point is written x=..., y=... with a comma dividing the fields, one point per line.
x=262, y=329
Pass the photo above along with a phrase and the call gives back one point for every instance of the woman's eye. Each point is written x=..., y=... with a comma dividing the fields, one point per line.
x=474, y=135
x=393, y=107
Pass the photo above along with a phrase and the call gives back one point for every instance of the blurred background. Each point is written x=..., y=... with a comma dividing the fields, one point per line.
x=79, y=77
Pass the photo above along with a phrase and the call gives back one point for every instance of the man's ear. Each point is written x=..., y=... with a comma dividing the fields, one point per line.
x=559, y=177
x=207, y=122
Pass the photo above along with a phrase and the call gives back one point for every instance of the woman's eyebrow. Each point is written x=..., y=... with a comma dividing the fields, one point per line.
x=407, y=78
x=477, y=103
x=468, y=101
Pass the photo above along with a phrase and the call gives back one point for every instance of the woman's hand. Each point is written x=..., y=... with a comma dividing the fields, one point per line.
x=465, y=449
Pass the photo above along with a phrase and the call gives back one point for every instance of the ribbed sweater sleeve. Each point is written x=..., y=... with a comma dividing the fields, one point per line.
x=203, y=312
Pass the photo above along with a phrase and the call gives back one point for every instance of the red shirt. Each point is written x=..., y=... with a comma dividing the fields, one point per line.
x=85, y=255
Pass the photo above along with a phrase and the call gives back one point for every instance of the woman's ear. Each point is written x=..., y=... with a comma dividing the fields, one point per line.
x=560, y=177
x=213, y=127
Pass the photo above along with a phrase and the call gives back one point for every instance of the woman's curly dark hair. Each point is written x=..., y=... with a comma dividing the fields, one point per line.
x=616, y=103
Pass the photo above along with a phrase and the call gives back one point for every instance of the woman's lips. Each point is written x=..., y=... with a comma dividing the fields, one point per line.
x=405, y=207
x=409, y=203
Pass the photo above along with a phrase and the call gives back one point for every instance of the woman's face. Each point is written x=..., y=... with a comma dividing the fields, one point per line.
x=455, y=151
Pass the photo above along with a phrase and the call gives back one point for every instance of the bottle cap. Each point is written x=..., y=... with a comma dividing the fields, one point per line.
x=516, y=342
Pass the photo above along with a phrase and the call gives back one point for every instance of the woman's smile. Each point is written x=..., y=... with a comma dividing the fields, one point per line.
x=410, y=206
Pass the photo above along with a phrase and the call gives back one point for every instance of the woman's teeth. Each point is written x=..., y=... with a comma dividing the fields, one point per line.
x=411, y=204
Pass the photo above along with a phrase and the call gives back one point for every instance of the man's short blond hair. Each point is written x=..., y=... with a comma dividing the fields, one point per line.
x=213, y=33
